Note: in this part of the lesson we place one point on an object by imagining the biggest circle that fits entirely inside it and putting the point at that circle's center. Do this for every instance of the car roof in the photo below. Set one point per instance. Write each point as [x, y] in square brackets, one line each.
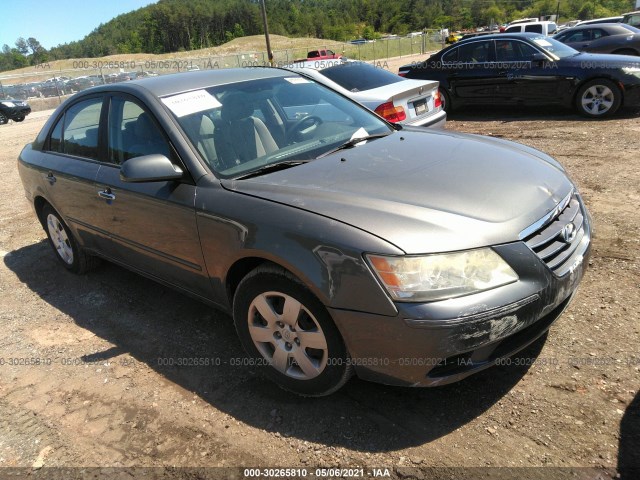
[499, 36]
[593, 25]
[175, 83]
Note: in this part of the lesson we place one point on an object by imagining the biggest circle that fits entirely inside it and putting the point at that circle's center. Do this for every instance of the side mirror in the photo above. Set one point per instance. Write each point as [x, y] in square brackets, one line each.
[149, 168]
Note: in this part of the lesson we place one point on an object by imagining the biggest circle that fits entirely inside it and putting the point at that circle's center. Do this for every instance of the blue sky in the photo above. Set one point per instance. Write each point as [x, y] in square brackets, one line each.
[53, 22]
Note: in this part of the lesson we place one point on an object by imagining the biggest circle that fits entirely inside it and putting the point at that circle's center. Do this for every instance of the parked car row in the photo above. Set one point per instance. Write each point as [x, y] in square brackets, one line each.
[59, 86]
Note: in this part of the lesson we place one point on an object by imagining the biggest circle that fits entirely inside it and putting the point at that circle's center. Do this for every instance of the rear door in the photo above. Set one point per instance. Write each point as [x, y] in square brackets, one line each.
[72, 154]
[152, 224]
[471, 73]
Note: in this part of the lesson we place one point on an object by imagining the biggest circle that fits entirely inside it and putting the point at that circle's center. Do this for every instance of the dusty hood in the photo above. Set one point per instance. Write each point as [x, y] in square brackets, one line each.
[424, 191]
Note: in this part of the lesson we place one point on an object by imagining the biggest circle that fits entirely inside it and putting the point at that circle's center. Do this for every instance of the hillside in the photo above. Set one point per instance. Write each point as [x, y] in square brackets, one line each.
[175, 26]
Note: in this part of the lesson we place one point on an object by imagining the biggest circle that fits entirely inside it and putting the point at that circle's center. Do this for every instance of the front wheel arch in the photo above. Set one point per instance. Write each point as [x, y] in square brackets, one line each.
[331, 368]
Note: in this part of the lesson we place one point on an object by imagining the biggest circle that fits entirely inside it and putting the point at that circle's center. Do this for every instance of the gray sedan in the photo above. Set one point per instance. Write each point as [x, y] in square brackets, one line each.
[618, 38]
[338, 242]
[396, 99]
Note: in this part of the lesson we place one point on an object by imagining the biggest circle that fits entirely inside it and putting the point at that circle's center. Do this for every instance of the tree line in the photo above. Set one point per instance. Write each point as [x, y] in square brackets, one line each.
[179, 25]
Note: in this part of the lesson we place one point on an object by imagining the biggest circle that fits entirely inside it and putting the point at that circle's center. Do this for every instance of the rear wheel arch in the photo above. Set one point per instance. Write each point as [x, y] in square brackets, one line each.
[39, 204]
[619, 90]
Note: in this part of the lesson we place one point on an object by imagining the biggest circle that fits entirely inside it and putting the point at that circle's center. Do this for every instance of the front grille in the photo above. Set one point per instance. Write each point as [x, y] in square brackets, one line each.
[563, 238]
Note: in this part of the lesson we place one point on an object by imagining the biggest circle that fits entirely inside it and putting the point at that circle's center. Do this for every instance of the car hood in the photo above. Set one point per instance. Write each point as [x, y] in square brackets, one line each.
[424, 191]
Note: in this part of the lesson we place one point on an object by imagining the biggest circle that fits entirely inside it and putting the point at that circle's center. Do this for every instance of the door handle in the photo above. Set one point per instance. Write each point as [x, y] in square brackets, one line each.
[49, 177]
[107, 194]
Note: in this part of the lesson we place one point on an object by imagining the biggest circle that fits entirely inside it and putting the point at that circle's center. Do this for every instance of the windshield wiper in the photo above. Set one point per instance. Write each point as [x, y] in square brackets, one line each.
[272, 167]
[353, 142]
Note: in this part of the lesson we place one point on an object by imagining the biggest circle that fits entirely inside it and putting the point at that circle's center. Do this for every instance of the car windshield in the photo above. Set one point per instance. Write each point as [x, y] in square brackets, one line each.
[360, 76]
[554, 47]
[246, 127]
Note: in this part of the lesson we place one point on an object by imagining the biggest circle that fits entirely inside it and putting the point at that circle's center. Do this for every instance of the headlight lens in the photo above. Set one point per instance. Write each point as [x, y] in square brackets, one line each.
[441, 276]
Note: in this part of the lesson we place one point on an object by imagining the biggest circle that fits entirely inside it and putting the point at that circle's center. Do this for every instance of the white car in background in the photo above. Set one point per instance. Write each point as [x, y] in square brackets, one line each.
[396, 99]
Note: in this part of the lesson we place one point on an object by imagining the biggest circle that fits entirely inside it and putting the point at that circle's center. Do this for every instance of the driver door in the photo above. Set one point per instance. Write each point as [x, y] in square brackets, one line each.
[152, 224]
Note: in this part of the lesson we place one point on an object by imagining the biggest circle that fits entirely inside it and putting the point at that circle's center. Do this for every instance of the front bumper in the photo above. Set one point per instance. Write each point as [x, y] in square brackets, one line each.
[442, 342]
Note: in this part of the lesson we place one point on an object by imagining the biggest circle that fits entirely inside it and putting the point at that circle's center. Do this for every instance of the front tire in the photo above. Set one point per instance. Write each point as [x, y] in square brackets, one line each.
[64, 245]
[289, 334]
[598, 98]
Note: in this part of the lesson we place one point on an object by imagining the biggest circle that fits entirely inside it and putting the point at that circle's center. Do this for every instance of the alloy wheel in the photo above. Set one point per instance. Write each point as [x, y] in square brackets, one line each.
[597, 99]
[287, 335]
[60, 239]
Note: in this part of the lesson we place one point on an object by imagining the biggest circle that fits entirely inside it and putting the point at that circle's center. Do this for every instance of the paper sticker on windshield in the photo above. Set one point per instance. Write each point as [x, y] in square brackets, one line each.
[360, 133]
[191, 102]
[296, 80]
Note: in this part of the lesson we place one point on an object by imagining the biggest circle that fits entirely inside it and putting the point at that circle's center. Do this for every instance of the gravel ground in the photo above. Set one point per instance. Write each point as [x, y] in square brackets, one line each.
[84, 380]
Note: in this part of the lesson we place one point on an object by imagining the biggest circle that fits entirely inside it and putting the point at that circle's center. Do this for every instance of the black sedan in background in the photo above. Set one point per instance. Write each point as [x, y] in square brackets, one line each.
[15, 110]
[529, 69]
[617, 38]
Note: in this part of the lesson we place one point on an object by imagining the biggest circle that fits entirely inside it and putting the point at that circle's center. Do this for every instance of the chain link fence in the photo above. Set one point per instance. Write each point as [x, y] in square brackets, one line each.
[45, 87]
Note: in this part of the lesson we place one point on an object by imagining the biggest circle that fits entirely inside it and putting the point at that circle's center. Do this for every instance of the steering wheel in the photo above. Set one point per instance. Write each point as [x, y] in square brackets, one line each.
[304, 123]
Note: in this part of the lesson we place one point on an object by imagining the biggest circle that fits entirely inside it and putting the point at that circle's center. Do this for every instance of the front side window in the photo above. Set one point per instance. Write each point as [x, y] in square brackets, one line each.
[76, 133]
[579, 36]
[513, 51]
[133, 132]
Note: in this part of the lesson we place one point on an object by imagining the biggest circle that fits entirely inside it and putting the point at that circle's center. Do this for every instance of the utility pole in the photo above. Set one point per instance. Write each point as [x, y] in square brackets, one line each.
[266, 32]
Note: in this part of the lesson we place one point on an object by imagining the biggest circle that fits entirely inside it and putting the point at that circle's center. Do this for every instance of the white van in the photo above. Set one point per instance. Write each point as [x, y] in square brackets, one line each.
[545, 28]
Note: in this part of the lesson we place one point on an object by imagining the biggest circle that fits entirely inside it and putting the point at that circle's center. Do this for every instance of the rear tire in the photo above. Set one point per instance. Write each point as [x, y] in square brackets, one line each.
[64, 245]
[288, 333]
[598, 98]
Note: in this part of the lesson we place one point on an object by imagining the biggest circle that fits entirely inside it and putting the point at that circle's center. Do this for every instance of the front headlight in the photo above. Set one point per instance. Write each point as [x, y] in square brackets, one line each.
[8, 104]
[441, 276]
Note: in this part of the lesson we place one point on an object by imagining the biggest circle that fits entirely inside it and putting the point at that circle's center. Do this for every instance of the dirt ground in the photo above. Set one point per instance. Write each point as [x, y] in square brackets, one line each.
[84, 380]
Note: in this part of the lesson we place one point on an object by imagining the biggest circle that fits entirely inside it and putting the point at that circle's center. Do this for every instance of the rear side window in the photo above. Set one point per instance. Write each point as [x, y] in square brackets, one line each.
[451, 56]
[357, 77]
[514, 29]
[533, 28]
[475, 52]
[76, 133]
